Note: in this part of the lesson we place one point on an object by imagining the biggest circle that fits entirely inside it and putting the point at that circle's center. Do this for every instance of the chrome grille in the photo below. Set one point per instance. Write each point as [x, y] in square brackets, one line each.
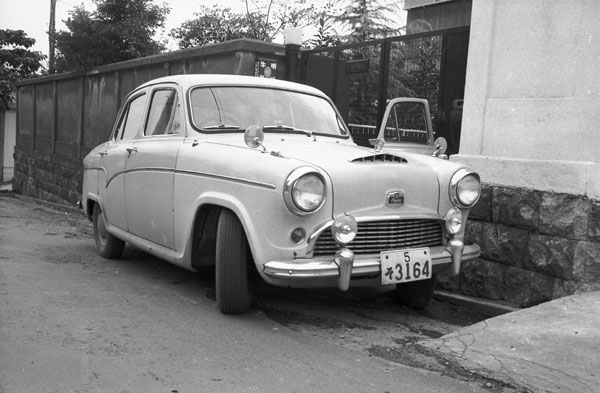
[377, 236]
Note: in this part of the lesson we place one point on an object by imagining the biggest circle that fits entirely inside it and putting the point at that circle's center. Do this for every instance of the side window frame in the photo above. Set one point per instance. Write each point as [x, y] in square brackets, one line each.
[117, 134]
[173, 116]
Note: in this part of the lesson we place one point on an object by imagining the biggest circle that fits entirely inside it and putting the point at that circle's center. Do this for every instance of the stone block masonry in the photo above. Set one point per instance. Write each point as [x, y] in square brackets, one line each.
[48, 177]
[535, 246]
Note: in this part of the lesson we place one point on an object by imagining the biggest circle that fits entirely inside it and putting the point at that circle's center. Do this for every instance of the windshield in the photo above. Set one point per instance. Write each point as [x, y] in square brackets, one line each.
[230, 109]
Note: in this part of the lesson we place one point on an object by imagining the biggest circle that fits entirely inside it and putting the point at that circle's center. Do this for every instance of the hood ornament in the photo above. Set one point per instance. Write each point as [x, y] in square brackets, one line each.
[377, 144]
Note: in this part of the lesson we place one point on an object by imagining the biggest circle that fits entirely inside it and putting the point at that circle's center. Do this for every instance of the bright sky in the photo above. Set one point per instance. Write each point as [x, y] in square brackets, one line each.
[33, 16]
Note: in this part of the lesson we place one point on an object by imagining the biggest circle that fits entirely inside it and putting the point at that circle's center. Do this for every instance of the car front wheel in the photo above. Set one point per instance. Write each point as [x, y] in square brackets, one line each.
[231, 273]
[108, 246]
[415, 294]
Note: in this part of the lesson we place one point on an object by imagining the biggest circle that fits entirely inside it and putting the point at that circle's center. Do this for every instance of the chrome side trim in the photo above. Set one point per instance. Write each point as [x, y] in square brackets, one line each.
[268, 186]
[95, 168]
[195, 173]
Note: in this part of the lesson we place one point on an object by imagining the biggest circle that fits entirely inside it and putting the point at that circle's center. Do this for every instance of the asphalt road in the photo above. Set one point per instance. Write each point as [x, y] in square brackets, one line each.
[71, 321]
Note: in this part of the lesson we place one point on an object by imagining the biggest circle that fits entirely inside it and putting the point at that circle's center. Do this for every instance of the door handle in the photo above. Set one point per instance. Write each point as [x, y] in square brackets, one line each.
[103, 153]
[131, 150]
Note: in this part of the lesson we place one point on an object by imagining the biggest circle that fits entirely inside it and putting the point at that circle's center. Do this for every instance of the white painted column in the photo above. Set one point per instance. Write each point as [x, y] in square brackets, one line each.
[532, 97]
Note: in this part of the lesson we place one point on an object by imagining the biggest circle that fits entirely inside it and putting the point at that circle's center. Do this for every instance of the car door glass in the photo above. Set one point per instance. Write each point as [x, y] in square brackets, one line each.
[132, 119]
[407, 122]
[163, 115]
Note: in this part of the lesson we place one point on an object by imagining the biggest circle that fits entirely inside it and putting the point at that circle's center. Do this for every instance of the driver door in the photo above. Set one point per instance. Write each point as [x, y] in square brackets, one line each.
[114, 160]
[150, 169]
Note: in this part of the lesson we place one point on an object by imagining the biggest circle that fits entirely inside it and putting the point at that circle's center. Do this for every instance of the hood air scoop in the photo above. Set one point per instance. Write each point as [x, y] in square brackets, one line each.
[380, 159]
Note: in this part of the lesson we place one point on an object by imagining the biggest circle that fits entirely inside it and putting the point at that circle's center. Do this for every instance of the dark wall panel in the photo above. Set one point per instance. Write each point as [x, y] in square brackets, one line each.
[44, 110]
[68, 110]
[26, 100]
[100, 107]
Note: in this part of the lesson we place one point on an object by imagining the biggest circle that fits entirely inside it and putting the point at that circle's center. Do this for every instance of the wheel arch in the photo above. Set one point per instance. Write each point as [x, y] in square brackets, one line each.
[88, 206]
[204, 229]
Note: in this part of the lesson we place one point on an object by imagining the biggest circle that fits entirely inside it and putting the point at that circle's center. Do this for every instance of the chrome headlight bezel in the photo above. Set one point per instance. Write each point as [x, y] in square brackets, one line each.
[465, 188]
[292, 194]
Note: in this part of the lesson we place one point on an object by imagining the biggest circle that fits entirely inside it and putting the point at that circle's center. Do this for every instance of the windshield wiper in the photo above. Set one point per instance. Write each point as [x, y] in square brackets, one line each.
[283, 127]
[221, 127]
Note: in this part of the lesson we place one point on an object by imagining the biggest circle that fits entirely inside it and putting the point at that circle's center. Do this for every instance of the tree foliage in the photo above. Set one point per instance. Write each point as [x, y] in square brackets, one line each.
[212, 25]
[17, 62]
[360, 20]
[261, 20]
[117, 30]
[368, 19]
[325, 35]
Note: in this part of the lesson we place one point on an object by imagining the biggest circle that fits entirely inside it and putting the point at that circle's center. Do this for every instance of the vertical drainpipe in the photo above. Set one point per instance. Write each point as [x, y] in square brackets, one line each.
[293, 41]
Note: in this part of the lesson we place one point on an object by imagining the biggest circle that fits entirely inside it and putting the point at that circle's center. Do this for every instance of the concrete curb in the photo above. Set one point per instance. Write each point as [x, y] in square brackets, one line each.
[51, 205]
[488, 308]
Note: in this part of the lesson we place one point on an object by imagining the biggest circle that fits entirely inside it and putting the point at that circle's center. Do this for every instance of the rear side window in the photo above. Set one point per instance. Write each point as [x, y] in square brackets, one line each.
[163, 117]
[132, 119]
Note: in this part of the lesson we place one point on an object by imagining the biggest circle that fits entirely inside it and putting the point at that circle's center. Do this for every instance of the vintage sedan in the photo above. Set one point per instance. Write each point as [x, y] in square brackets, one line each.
[249, 173]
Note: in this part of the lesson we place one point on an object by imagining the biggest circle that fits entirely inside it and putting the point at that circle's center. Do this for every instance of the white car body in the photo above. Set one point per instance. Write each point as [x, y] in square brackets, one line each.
[166, 192]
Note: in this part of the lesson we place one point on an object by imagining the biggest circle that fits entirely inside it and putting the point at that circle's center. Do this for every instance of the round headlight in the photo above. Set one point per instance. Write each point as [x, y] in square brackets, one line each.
[344, 229]
[465, 188]
[453, 221]
[304, 191]
[308, 192]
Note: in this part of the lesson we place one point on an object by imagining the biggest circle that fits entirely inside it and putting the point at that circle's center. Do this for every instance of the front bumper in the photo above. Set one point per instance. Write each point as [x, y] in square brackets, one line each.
[323, 271]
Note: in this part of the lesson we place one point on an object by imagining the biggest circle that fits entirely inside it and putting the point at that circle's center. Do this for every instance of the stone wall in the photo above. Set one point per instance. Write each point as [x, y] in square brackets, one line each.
[48, 177]
[535, 246]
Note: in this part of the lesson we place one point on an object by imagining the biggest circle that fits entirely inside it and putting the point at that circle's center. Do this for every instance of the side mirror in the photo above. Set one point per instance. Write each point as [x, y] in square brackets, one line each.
[254, 137]
[440, 145]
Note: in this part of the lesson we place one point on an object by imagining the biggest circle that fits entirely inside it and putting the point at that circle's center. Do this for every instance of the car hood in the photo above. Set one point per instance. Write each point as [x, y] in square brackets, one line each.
[362, 180]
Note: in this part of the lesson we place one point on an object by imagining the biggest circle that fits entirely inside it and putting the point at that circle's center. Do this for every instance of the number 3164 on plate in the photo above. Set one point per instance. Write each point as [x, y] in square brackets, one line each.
[399, 266]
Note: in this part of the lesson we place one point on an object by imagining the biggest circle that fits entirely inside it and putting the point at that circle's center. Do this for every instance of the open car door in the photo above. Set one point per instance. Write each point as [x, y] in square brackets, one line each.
[407, 126]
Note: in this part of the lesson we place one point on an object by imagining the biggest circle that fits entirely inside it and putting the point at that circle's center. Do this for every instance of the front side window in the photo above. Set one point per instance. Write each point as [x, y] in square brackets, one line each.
[163, 116]
[234, 109]
[407, 122]
[132, 118]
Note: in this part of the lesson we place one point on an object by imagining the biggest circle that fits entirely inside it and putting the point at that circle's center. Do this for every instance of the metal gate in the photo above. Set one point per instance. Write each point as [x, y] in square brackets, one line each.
[361, 78]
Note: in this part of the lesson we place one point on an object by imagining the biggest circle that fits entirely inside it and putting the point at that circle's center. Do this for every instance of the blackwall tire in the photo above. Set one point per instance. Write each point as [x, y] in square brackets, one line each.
[231, 273]
[107, 245]
[415, 294]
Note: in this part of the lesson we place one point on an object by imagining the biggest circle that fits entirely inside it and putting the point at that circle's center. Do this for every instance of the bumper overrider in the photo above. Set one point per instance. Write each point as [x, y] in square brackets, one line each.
[345, 265]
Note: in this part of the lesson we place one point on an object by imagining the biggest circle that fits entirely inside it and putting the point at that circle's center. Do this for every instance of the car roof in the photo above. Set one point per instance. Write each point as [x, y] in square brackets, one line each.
[189, 80]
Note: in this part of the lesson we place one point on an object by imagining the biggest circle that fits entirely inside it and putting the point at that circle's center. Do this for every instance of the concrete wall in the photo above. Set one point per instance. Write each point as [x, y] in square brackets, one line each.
[532, 96]
[8, 139]
[531, 124]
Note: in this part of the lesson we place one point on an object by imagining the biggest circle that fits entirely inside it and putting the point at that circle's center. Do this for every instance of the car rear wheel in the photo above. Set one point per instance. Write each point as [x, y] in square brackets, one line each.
[415, 294]
[231, 273]
[108, 246]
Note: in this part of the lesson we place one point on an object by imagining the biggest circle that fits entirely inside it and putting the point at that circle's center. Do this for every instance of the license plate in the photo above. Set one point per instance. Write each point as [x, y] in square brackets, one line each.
[410, 264]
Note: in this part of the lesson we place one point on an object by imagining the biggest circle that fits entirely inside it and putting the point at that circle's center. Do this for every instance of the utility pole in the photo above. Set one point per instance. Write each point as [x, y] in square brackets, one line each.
[51, 35]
